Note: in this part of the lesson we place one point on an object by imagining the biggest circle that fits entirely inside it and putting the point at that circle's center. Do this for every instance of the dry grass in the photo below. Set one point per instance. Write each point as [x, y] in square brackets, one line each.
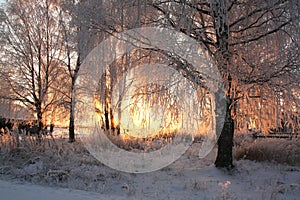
[285, 151]
[43, 161]
[136, 144]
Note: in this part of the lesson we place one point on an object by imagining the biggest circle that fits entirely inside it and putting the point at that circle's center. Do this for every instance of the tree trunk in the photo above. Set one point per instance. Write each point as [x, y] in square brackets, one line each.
[74, 76]
[71, 123]
[106, 118]
[72, 107]
[39, 120]
[225, 141]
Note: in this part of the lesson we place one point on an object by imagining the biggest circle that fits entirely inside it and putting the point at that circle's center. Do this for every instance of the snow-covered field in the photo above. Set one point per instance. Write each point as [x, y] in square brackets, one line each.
[56, 169]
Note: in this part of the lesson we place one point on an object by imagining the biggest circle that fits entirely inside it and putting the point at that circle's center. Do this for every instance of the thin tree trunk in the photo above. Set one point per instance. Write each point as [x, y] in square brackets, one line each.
[71, 123]
[40, 120]
[74, 76]
[72, 109]
[106, 115]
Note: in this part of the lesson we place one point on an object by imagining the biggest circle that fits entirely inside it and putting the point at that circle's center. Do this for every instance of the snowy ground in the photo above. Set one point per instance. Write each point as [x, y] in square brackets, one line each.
[251, 181]
[59, 170]
[13, 191]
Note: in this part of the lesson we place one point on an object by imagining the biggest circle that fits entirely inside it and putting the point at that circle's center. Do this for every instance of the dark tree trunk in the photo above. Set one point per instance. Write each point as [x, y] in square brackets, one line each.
[72, 107]
[71, 131]
[71, 123]
[39, 120]
[106, 118]
[225, 141]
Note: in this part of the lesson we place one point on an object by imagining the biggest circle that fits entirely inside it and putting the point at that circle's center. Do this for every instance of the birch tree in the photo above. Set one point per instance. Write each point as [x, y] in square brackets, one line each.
[71, 58]
[31, 35]
[240, 35]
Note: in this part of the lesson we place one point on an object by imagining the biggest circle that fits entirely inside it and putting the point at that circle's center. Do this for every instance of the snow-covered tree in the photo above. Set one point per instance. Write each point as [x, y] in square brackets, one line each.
[255, 44]
[32, 47]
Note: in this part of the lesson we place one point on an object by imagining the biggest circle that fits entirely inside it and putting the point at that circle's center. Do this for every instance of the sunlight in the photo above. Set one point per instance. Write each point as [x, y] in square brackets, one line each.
[143, 113]
[141, 119]
[151, 120]
[98, 111]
